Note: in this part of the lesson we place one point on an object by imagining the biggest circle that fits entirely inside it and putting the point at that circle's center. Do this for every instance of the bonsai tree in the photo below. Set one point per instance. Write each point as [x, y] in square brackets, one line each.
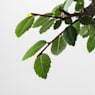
[81, 22]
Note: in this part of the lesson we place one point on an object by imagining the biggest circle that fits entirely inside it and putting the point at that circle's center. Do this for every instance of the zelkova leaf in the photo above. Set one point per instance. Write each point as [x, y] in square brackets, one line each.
[35, 48]
[68, 21]
[56, 10]
[86, 20]
[84, 31]
[24, 25]
[58, 45]
[40, 21]
[79, 5]
[57, 24]
[67, 4]
[70, 35]
[42, 65]
[87, 30]
[91, 43]
[46, 25]
[77, 26]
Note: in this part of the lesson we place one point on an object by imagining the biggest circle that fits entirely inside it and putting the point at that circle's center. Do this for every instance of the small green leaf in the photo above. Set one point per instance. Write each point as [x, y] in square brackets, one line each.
[57, 24]
[77, 26]
[68, 21]
[84, 31]
[46, 25]
[91, 29]
[67, 4]
[56, 11]
[40, 21]
[91, 43]
[35, 48]
[85, 20]
[87, 30]
[70, 35]
[24, 25]
[58, 45]
[79, 5]
[42, 65]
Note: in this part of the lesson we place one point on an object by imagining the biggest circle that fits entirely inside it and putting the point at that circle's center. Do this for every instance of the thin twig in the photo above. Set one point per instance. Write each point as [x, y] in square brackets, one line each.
[58, 17]
[48, 43]
[44, 15]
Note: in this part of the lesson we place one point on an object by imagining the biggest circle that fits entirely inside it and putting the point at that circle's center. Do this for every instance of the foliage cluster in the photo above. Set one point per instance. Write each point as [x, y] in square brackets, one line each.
[81, 22]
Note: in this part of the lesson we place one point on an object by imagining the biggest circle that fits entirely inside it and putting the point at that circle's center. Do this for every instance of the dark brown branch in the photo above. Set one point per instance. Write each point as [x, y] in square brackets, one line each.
[44, 15]
[59, 17]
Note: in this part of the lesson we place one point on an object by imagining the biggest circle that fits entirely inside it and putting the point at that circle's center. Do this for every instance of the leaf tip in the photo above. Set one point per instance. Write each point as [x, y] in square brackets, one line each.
[89, 50]
[23, 58]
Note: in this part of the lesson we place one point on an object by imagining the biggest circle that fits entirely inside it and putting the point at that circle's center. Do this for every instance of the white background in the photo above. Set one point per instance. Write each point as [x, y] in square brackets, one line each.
[71, 73]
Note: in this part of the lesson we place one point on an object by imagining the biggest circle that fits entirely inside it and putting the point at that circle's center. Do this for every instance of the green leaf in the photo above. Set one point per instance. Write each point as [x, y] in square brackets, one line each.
[85, 20]
[68, 21]
[35, 48]
[64, 6]
[70, 35]
[67, 4]
[93, 22]
[84, 31]
[77, 26]
[24, 25]
[57, 24]
[58, 45]
[46, 26]
[87, 30]
[79, 5]
[92, 29]
[42, 65]
[56, 11]
[91, 43]
[40, 21]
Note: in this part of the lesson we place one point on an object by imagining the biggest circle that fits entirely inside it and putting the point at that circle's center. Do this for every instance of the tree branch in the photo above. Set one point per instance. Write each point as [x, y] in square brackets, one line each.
[88, 11]
[59, 17]
[48, 43]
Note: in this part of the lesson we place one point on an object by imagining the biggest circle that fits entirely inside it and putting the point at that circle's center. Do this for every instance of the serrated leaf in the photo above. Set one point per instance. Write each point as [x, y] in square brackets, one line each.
[57, 24]
[86, 20]
[56, 11]
[67, 4]
[77, 26]
[91, 43]
[34, 49]
[24, 25]
[58, 45]
[68, 21]
[40, 21]
[79, 5]
[70, 35]
[84, 32]
[87, 30]
[46, 26]
[42, 65]
[91, 29]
